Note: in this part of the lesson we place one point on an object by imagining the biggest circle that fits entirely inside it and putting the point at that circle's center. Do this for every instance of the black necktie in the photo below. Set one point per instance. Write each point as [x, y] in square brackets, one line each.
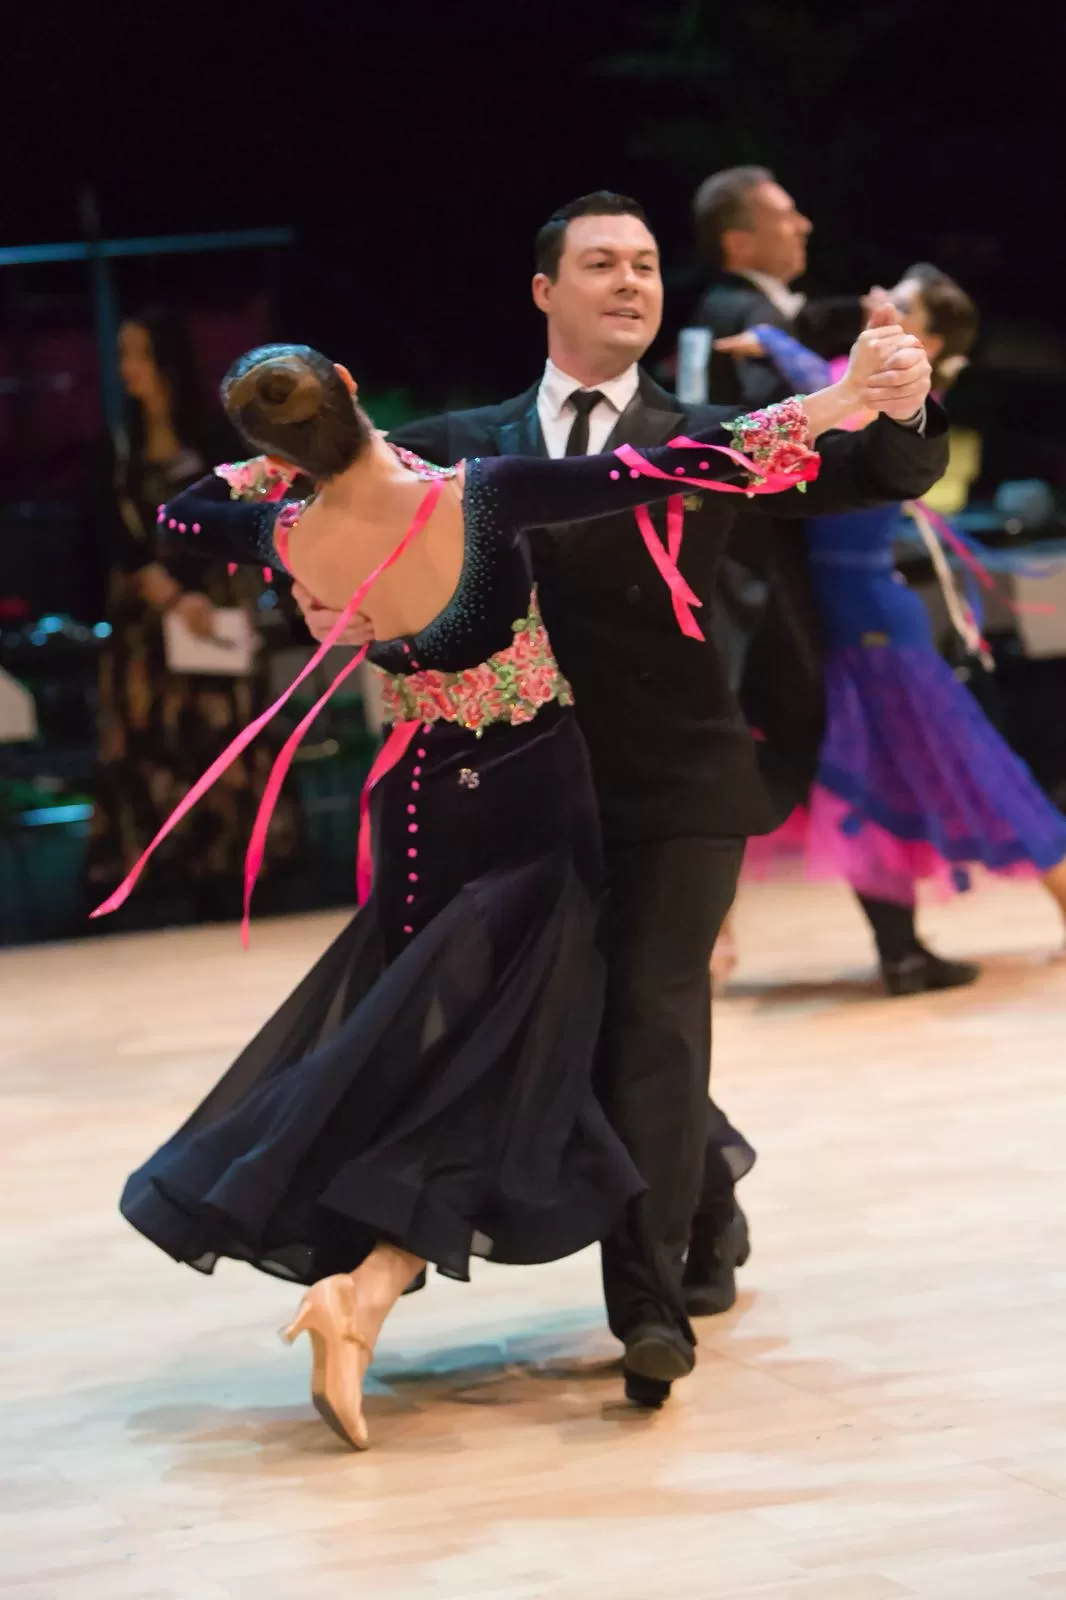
[583, 401]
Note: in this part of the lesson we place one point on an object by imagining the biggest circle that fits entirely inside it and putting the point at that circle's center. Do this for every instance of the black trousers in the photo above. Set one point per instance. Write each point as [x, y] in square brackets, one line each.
[668, 899]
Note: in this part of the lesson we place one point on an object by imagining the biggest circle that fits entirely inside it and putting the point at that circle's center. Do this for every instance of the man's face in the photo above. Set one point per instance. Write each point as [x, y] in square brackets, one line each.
[774, 239]
[606, 303]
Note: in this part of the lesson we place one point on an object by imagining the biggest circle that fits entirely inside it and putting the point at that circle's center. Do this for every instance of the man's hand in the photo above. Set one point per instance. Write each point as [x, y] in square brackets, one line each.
[320, 619]
[888, 370]
[747, 343]
[910, 365]
[874, 299]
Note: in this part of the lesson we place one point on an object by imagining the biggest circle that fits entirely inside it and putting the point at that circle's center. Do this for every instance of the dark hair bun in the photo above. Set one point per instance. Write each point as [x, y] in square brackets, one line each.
[283, 389]
[290, 401]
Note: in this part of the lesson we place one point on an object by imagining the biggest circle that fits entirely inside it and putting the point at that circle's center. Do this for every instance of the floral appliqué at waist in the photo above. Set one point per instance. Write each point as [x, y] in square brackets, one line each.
[511, 686]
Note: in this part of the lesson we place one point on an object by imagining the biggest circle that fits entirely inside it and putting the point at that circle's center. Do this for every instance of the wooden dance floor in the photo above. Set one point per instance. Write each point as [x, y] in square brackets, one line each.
[882, 1416]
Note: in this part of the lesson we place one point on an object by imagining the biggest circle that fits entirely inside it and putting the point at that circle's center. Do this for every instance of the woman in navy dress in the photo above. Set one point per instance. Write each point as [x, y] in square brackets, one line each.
[424, 1094]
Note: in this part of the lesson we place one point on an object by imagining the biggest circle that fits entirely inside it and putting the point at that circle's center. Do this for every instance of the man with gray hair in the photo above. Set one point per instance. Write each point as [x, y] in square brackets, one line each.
[751, 232]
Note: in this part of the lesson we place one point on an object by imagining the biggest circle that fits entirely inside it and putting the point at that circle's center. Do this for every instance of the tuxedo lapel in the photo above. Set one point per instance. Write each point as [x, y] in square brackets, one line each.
[652, 417]
[521, 435]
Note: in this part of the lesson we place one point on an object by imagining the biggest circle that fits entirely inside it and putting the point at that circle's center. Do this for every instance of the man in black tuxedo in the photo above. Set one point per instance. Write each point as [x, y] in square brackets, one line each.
[674, 765]
[749, 229]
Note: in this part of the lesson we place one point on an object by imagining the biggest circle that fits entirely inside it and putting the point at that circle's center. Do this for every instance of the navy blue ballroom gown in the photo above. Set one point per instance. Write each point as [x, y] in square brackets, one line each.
[428, 1083]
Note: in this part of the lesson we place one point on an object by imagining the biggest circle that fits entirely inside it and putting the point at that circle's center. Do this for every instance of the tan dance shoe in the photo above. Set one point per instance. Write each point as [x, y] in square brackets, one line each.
[341, 1356]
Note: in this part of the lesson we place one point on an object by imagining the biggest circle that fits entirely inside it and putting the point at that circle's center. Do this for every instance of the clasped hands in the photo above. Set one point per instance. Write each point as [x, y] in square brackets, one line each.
[888, 370]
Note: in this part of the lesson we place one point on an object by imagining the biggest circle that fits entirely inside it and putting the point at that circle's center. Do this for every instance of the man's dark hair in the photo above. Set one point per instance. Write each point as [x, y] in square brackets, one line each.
[720, 203]
[551, 240]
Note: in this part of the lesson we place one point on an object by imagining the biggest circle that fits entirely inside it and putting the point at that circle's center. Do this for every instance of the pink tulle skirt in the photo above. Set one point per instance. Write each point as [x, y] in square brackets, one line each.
[914, 786]
[819, 843]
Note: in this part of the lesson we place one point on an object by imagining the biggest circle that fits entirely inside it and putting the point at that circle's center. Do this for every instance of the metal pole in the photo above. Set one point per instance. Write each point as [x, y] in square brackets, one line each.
[105, 314]
[164, 244]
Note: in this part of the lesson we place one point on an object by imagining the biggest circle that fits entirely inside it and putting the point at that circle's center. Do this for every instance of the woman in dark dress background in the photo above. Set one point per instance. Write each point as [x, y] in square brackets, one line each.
[158, 729]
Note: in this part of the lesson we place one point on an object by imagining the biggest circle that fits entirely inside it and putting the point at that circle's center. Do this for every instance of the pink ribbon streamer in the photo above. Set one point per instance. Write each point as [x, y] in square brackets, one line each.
[253, 859]
[391, 753]
[245, 737]
[684, 597]
[968, 559]
[981, 573]
[682, 594]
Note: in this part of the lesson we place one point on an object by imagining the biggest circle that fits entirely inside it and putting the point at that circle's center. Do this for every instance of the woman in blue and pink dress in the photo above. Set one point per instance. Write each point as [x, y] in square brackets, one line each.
[913, 784]
[425, 1094]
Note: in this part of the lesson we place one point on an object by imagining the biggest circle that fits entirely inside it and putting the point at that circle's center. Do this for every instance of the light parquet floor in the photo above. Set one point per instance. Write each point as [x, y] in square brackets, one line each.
[882, 1417]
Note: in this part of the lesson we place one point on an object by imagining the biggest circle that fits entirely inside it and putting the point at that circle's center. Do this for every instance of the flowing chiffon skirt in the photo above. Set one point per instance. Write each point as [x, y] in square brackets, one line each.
[428, 1082]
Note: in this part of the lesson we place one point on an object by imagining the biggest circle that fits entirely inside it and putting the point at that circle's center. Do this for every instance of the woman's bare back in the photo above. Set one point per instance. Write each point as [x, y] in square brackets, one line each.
[336, 544]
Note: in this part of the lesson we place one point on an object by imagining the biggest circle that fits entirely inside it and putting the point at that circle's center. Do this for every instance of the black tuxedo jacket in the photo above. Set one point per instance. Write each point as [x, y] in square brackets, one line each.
[731, 305]
[671, 753]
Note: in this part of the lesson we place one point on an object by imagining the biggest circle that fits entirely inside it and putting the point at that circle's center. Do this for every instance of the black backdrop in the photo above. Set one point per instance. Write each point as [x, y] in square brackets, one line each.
[416, 148]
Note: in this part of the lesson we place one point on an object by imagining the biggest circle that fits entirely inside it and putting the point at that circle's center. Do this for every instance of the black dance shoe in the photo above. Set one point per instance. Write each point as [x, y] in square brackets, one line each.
[923, 972]
[649, 1393]
[656, 1354]
[714, 1254]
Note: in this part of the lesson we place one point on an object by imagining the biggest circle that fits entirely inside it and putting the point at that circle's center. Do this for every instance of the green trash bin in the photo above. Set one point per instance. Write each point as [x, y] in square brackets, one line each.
[42, 865]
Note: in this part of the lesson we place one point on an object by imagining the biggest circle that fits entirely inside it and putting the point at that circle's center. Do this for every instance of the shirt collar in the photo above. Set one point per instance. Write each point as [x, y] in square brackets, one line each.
[780, 296]
[556, 388]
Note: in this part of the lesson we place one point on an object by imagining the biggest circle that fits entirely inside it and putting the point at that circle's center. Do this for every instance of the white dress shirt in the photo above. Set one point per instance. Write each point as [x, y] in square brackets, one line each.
[557, 415]
[788, 301]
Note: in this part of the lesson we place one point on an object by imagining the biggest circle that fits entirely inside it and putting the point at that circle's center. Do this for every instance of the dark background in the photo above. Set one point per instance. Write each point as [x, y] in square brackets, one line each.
[416, 149]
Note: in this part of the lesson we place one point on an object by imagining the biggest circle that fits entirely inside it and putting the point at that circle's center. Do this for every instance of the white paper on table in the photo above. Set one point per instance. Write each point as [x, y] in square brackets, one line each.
[229, 652]
[18, 711]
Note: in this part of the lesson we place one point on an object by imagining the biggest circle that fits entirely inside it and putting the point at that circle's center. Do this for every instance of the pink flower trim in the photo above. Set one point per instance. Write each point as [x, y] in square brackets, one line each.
[257, 479]
[778, 438]
[510, 686]
[423, 469]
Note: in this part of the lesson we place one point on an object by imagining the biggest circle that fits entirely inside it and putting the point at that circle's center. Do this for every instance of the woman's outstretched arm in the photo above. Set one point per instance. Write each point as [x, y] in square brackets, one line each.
[796, 364]
[525, 492]
[887, 367]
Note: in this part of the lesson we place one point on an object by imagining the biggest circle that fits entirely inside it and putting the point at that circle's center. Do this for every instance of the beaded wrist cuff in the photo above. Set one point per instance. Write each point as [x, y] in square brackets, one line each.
[778, 438]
